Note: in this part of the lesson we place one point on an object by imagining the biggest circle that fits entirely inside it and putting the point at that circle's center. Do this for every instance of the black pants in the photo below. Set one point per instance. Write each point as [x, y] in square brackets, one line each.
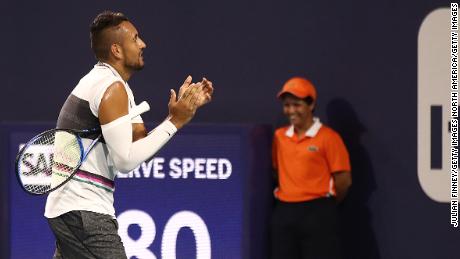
[86, 235]
[305, 230]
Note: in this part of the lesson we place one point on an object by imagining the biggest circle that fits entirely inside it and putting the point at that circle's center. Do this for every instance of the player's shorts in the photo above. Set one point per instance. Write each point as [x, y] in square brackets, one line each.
[85, 234]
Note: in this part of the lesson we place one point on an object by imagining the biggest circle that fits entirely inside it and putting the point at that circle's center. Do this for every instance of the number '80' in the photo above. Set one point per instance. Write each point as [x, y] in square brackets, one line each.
[140, 247]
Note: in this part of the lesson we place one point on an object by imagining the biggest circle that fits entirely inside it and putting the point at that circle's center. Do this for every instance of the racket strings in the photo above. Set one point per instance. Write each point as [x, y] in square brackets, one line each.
[49, 160]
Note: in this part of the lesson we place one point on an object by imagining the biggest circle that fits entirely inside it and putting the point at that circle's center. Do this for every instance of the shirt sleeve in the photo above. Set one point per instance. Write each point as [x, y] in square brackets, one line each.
[337, 155]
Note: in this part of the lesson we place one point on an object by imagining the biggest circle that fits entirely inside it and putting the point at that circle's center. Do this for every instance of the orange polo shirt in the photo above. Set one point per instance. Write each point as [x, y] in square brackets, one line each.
[305, 165]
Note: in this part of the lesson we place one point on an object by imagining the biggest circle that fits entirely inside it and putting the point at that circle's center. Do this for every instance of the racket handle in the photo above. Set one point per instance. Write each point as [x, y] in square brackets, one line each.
[139, 109]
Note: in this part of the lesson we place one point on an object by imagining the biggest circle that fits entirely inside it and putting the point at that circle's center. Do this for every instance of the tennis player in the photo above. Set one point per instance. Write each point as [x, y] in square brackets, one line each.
[81, 213]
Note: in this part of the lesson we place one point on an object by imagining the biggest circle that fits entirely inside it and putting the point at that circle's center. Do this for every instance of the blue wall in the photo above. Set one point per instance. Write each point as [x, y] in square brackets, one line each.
[362, 56]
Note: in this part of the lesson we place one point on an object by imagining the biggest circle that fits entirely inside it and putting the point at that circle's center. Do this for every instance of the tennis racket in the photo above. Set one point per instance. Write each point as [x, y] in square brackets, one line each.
[65, 153]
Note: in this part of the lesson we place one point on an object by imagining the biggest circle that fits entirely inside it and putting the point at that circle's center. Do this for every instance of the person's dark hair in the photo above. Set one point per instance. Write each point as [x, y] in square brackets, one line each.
[103, 21]
[309, 100]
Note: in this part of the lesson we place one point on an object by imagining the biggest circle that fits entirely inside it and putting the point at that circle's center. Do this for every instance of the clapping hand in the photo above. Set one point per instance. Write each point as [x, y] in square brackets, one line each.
[205, 90]
[208, 90]
[191, 96]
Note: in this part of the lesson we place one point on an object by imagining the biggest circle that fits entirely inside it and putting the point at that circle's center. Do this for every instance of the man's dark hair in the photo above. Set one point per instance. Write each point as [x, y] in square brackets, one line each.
[99, 42]
[309, 100]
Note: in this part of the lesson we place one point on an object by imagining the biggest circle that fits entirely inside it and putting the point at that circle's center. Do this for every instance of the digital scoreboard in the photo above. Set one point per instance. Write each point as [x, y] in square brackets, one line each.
[206, 194]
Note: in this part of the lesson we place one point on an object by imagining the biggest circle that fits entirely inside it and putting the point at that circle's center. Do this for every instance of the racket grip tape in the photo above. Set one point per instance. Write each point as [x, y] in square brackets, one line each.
[139, 109]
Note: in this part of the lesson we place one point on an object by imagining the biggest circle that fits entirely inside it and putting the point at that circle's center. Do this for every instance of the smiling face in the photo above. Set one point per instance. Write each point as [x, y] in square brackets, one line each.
[298, 112]
[132, 46]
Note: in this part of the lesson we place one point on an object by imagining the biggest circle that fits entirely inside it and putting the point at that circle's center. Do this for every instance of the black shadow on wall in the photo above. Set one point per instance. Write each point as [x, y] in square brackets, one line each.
[358, 238]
